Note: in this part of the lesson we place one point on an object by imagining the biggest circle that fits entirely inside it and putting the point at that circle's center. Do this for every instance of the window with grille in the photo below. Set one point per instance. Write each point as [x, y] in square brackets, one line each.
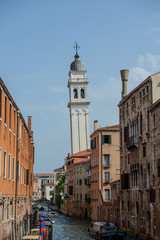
[106, 160]
[107, 194]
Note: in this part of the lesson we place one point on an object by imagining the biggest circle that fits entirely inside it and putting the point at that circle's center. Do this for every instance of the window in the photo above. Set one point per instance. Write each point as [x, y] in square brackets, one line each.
[80, 197]
[85, 181]
[10, 111]
[154, 119]
[154, 159]
[133, 99]
[143, 91]
[144, 151]
[147, 89]
[4, 168]
[5, 117]
[106, 160]
[106, 139]
[20, 131]
[122, 205]
[75, 93]
[128, 206]
[82, 93]
[80, 181]
[127, 105]
[115, 212]
[93, 143]
[128, 159]
[9, 167]
[31, 179]
[0, 102]
[106, 176]
[140, 95]
[70, 190]
[141, 125]
[27, 177]
[147, 120]
[107, 194]
[14, 121]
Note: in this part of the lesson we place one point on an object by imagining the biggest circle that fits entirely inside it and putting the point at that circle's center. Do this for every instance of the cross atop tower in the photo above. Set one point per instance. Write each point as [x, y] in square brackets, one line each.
[76, 47]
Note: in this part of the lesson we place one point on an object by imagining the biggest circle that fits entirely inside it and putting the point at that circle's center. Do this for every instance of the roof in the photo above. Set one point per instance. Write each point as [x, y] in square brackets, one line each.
[42, 174]
[139, 86]
[80, 160]
[82, 154]
[107, 129]
[155, 105]
[77, 65]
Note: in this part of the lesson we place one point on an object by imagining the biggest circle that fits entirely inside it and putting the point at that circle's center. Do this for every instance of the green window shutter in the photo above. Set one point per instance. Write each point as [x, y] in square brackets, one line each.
[103, 139]
[109, 139]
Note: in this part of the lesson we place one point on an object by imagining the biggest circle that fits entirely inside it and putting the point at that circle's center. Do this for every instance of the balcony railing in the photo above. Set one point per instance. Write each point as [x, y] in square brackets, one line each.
[106, 165]
[88, 199]
[132, 142]
[106, 181]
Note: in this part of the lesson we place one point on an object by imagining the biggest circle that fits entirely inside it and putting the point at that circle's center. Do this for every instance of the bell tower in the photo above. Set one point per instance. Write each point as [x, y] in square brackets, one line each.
[78, 105]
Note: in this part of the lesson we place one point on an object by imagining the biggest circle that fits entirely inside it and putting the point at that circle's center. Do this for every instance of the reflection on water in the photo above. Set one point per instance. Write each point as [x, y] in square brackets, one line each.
[70, 228]
[67, 228]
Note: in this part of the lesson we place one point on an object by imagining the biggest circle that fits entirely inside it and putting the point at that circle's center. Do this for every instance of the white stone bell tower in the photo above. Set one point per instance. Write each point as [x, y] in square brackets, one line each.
[78, 105]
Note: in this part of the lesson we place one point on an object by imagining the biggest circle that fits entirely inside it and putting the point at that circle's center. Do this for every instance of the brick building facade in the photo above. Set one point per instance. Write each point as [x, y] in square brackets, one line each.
[105, 168]
[139, 152]
[73, 205]
[16, 168]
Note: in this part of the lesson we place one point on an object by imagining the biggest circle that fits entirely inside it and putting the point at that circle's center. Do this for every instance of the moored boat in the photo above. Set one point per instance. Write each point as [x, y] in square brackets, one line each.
[103, 230]
[53, 214]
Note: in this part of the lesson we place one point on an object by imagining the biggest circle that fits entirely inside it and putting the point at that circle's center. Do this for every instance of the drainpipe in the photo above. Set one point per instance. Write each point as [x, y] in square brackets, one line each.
[15, 217]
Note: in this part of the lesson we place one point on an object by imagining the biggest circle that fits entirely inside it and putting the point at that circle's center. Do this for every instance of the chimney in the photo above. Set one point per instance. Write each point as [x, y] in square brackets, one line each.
[95, 125]
[29, 123]
[124, 77]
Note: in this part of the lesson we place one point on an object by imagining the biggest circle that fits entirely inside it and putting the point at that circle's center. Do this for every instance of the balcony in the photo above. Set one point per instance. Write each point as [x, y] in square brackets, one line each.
[105, 166]
[106, 181]
[132, 142]
[88, 199]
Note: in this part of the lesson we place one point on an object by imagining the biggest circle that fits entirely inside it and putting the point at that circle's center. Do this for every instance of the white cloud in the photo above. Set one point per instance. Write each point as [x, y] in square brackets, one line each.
[140, 60]
[136, 76]
[154, 61]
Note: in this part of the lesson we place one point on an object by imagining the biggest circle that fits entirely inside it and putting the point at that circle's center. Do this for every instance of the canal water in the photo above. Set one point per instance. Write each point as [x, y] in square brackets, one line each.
[67, 228]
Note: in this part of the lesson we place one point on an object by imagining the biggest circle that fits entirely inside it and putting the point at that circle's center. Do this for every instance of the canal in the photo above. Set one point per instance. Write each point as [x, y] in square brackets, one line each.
[67, 228]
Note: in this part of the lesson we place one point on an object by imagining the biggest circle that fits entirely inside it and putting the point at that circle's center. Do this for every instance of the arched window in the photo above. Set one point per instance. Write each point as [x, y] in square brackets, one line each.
[154, 159]
[148, 176]
[75, 93]
[141, 124]
[82, 93]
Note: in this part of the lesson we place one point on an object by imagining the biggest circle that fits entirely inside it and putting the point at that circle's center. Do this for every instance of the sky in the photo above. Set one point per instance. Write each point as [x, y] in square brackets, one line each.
[36, 50]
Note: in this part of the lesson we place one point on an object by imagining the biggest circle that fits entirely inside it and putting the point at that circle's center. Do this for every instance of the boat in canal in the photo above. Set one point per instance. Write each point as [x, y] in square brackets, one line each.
[101, 230]
[53, 214]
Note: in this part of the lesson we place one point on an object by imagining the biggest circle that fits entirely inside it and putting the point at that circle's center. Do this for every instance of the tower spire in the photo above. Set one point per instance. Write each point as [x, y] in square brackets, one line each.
[76, 48]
